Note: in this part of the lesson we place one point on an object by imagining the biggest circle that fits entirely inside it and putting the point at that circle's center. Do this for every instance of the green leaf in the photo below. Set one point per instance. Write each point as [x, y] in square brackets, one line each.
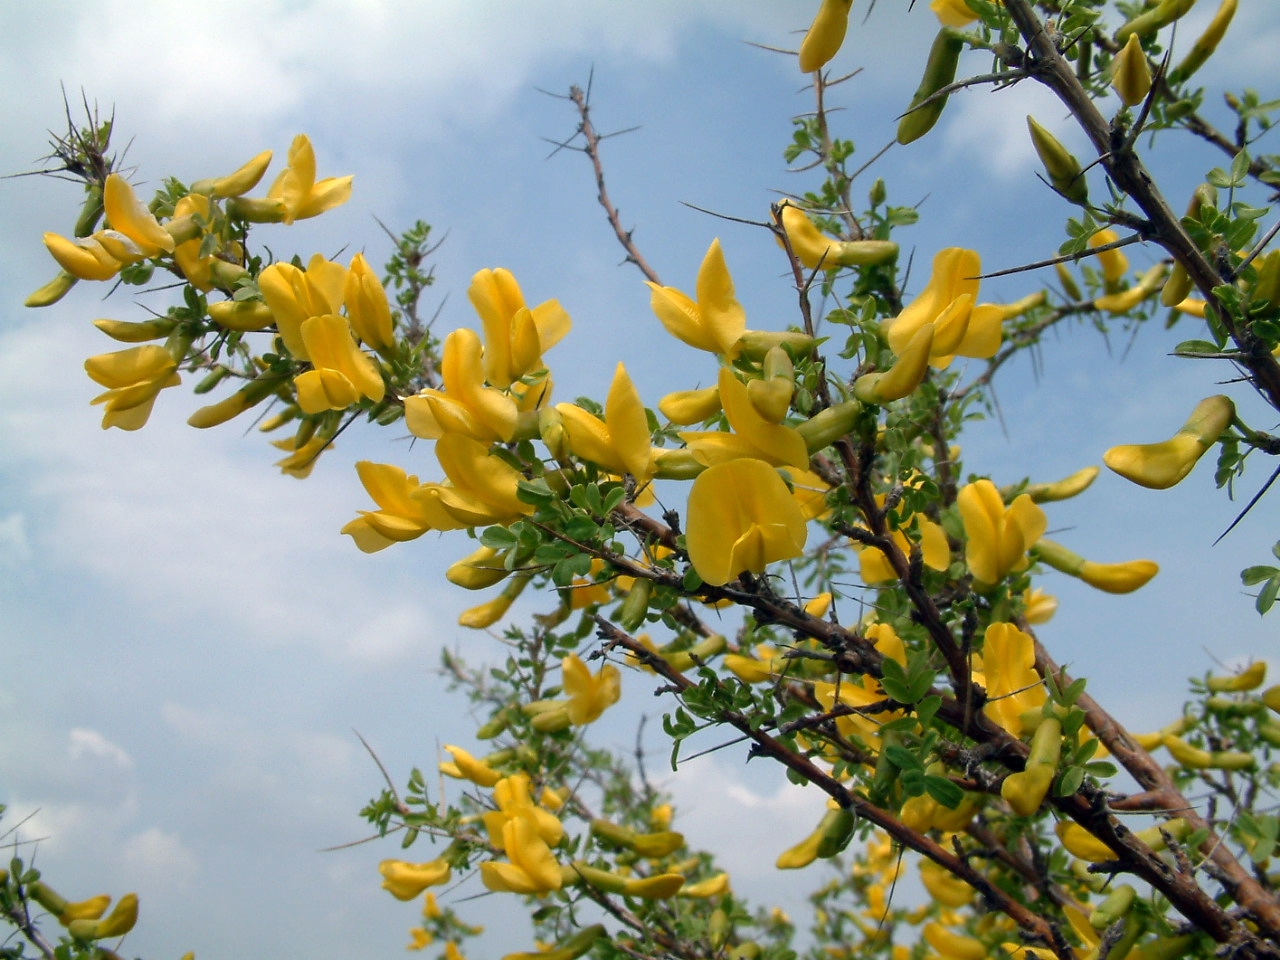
[1069, 782]
[894, 681]
[1196, 346]
[902, 758]
[1250, 576]
[1267, 596]
[944, 791]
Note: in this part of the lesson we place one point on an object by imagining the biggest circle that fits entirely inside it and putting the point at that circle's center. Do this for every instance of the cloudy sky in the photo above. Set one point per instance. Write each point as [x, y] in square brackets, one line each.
[188, 643]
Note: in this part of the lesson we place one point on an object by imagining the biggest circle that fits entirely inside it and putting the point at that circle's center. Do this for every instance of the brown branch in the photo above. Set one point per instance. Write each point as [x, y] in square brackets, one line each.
[1033, 925]
[1130, 175]
[591, 148]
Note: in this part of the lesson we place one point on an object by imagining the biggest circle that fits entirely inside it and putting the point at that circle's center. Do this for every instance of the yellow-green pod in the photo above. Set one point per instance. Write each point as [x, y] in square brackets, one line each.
[1204, 47]
[939, 71]
[1063, 169]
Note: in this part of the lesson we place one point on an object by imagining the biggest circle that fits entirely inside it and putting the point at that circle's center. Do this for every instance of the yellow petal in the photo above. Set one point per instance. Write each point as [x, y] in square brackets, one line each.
[126, 213]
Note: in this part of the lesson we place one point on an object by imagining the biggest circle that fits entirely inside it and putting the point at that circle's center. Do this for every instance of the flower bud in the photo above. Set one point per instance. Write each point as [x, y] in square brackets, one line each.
[904, 376]
[1250, 678]
[1130, 73]
[1149, 21]
[1208, 42]
[1063, 489]
[825, 35]
[686, 407]
[243, 315]
[238, 183]
[1159, 466]
[136, 332]
[51, 292]
[477, 570]
[1062, 168]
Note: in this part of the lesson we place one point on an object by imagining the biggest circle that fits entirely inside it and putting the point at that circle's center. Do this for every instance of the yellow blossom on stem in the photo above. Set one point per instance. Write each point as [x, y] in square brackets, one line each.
[532, 867]
[1013, 686]
[84, 258]
[1038, 606]
[482, 489]
[953, 13]
[874, 565]
[620, 443]
[752, 436]
[716, 320]
[401, 516]
[296, 187]
[302, 456]
[512, 798]
[589, 696]
[238, 183]
[825, 34]
[367, 306]
[197, 269]
[295, 296]
[466, 406]
[1113, 262]
[741, 517]
[515, 336]
[1130, 72]
[467, 767]
[134, 378]
[126, 213]
[90, 909]
[405, 881]
[1108, 577]
[947, 301]
[1159, 466]
[487, 614]
[998, 537]
[116, 924]
[341, 374]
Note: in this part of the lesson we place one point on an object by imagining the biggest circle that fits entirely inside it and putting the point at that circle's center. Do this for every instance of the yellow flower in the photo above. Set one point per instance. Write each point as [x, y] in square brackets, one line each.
[85, 258]
[711, 887]
[295, 296]
[481, 489]
[1113, 262]
[296, 187]
[512, 798]
[741, 517]
[1130, 73]
[420, 939]
[405, 881]
[90, 909]
[1038, 606]
[1159, 466]
[953, 13]
[1108, 577]
[465, 406]
[589, 696]
[341, 374]
[197, 269]
[1013, 686]
[825, 35]
[998, 537]
[127, 214]
[621, 442]
[532, 868]
[236, 184]
[752, 436]
[467, 767]
[515, 336]
[401, 516]
[716, 321]
[367, 306]
[947, 301]
[302, 459]
[134, 378]
[875, 568]
[685, 407]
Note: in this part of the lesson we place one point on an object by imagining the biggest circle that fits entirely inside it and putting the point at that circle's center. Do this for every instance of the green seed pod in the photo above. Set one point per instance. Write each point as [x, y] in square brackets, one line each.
[939, 71]
[1115, 906]
[636, 605]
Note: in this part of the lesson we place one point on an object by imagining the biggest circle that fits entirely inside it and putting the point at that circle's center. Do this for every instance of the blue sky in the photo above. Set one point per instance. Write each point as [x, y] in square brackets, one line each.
[189, 643]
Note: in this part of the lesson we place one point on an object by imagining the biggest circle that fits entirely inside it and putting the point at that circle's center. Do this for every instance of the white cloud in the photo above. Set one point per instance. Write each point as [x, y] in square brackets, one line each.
[14, 547]
[90, 743]
[157, 858]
